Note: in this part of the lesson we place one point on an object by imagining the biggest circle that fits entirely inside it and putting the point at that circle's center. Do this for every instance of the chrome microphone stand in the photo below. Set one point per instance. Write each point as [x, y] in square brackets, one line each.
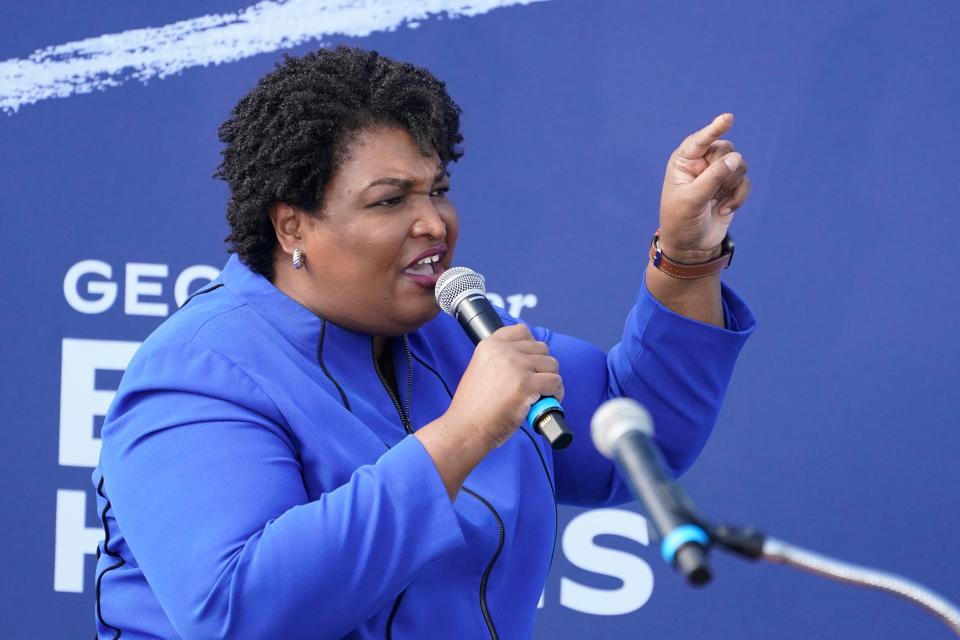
[749, 543]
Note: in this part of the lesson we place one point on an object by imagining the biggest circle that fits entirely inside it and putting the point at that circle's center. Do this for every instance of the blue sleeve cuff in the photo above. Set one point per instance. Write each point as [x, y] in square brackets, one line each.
[737, 316]
[679, 368]
[408, 471]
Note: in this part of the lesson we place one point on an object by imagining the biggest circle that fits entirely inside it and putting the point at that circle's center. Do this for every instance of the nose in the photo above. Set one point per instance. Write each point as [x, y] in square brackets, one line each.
[429, 222]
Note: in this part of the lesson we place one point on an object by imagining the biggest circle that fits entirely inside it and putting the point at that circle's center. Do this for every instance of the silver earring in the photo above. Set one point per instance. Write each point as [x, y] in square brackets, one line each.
[297, 258]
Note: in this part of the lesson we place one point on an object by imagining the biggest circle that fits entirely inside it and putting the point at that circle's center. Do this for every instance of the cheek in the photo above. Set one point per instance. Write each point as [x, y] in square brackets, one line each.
[452, 221]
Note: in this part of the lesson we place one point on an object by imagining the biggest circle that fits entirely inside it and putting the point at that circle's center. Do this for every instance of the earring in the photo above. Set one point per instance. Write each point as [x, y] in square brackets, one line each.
[297, 258]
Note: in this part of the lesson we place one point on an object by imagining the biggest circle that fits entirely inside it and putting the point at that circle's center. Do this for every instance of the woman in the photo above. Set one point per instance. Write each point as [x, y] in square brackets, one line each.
[307, 450]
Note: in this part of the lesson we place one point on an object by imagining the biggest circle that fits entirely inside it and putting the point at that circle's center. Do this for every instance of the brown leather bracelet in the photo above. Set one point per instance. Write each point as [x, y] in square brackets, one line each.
[690, 271]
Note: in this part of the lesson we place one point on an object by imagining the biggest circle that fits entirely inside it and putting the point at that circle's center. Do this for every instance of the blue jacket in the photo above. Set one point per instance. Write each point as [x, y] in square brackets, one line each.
[258, 480]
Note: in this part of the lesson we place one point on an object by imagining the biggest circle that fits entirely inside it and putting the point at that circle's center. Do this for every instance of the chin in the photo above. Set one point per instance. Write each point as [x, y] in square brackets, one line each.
[415, 321]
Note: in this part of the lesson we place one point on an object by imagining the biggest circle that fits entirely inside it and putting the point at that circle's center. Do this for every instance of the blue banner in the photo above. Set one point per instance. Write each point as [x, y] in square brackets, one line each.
[838, 430]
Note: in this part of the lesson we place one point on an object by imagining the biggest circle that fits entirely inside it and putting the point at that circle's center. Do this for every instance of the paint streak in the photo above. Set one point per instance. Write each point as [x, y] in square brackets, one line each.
[141, 54]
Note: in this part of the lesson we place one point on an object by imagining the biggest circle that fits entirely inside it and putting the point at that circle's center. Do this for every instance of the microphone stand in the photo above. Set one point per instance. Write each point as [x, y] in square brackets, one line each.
[750, 543]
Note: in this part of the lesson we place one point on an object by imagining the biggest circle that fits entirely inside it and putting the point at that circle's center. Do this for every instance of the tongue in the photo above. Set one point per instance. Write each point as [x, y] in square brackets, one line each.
[420, 269]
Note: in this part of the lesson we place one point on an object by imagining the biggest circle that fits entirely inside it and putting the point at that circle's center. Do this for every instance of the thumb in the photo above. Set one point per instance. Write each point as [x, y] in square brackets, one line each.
[706, 185]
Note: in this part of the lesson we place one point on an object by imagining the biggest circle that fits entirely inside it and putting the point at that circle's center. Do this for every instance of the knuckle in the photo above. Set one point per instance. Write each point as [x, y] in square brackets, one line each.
[554, 386]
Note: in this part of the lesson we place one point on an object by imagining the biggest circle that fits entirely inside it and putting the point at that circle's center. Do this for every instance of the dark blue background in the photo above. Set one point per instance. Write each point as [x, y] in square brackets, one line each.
[838, 431]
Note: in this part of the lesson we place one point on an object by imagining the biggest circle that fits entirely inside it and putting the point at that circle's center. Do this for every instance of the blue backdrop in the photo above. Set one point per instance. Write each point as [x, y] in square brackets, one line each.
[839, 430]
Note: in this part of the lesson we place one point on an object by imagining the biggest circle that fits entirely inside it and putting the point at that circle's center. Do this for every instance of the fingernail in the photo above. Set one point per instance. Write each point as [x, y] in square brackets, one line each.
[731, 161]
[728, 117]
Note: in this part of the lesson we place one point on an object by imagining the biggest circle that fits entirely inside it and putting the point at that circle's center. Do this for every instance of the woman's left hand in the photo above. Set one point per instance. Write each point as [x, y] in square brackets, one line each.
[705, 183]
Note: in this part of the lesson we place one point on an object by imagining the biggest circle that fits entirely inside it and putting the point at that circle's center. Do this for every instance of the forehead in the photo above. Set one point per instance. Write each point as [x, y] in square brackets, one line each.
[387, 152]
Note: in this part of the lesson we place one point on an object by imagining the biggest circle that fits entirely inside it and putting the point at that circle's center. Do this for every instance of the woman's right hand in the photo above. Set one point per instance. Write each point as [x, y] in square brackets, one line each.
[509, 371]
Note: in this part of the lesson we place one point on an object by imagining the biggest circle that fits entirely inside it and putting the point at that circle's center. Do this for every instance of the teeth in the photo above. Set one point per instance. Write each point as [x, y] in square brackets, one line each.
[421, 269]
[429, 259]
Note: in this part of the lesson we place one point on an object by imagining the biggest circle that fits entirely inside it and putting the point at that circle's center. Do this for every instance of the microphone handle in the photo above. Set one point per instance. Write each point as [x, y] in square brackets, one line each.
[683, 541]
[479, 319]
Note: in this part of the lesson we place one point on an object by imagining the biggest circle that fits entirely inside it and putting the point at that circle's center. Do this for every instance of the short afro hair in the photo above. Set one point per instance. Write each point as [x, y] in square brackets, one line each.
[287, 137]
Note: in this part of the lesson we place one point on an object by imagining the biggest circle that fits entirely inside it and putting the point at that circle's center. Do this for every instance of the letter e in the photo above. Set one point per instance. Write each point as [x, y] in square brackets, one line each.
[80, 401]
[134, 287]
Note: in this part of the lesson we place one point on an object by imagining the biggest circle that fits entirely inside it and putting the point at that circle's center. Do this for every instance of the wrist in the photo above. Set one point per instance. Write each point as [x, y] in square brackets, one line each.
[455, 448]
[693, 263]
[466, 435]
[689, 255]
[697, 298]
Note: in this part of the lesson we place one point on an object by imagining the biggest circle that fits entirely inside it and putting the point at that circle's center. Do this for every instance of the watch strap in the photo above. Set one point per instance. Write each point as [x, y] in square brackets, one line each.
[691, 271]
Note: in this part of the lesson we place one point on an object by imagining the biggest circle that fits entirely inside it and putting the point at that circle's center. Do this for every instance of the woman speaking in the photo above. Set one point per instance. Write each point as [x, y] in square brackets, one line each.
[308, 450]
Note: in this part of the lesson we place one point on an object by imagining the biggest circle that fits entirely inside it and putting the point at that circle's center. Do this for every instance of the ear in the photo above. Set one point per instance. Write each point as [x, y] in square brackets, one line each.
[288, 223]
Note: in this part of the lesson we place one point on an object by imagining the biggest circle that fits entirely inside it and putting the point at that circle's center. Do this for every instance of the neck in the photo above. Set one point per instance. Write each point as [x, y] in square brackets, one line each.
[379, 346]
[285, 279]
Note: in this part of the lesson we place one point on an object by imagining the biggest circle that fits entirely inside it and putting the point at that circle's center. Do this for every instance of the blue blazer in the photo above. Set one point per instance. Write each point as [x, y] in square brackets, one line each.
[258, 479]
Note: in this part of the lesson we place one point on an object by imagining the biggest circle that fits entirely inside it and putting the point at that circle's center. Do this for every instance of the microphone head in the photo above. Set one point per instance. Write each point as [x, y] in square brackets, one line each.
[454, 284]
[614, 419]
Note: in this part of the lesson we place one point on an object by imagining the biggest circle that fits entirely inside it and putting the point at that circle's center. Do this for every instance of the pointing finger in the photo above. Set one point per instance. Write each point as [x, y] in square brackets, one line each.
[697, 144]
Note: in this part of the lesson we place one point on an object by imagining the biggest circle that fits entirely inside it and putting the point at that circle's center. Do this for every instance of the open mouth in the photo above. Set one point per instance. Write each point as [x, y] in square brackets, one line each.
[427, 264]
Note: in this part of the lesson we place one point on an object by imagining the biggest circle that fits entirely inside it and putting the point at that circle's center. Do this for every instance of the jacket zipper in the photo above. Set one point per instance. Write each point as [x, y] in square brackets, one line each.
[486, 573]
[404, 413]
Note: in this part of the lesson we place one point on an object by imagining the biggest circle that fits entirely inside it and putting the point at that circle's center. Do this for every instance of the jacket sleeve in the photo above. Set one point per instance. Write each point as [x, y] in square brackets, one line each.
[676, 367]
[206, 488]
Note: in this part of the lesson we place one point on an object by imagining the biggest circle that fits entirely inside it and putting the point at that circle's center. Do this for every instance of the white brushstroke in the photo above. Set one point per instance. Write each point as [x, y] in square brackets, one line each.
[111, 59]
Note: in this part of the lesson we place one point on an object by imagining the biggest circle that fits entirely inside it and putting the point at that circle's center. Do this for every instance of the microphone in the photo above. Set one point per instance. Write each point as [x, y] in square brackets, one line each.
[622, 430]
[462, 293]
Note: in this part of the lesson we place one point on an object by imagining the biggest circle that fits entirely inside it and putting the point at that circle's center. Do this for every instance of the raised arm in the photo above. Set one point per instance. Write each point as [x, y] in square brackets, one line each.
[682, 337]
[705, 183]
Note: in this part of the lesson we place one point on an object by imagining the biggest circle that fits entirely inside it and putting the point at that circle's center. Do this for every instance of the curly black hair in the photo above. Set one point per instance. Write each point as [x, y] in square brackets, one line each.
[287, 137]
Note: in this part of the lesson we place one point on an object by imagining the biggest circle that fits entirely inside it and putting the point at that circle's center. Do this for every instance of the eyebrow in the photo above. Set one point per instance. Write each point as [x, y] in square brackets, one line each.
[404, 183]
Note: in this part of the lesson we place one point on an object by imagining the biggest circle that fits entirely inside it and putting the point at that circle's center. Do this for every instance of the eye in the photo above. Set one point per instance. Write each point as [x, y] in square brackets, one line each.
[439, 192]
[389, 202]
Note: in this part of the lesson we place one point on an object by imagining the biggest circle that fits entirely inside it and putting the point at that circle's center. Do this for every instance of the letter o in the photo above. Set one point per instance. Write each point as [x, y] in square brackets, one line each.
[181, 288]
